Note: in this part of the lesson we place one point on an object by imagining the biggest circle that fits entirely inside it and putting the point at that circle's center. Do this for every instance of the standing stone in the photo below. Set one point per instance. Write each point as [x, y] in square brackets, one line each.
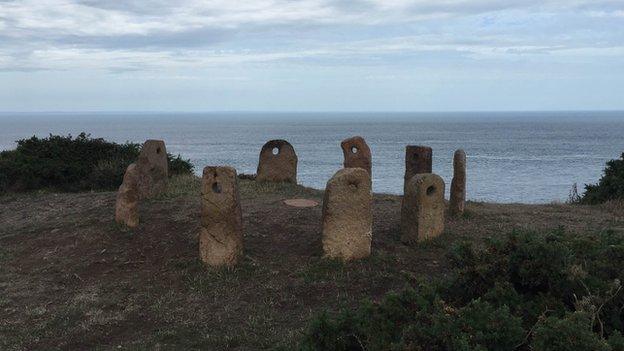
[356, 153]
[418, 160]
[422, 210]
[221, 235]
[348, 215]
[458, 184]
[278, 162]
[153, 168]
[126, 206]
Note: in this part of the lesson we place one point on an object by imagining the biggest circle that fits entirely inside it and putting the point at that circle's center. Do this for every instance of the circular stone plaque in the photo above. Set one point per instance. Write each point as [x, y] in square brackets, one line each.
[300, 202]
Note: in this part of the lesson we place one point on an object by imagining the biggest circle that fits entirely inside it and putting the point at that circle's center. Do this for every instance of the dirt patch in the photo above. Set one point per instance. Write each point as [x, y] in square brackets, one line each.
[70, 278]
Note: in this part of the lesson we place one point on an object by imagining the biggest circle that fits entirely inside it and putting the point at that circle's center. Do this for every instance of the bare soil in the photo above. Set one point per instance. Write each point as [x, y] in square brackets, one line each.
[70, 278]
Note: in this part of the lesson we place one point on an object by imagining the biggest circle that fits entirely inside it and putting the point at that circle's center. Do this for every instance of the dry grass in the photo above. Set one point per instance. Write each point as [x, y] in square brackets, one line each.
[615, 207]
[71, 279]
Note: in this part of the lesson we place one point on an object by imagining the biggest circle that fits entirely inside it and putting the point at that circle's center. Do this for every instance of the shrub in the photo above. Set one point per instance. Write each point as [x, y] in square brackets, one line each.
[178, 165]
[476, 326]
[71, 164]
[527, 290]
[572, 332]
[616, 341]
[609, 187]
[417, 320]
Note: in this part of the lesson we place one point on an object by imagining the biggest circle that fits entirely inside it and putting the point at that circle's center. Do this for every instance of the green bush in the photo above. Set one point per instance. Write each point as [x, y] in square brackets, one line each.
[573, 332]
[71, 164]
[178, 165]
[417, 320]
[526, 291]
[616, 341]
[609, 187]
[476, 326]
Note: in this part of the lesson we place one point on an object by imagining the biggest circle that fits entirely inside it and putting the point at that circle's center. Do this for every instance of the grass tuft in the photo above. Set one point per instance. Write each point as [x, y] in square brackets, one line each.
[321, 270]
[615, 207]
[203, 279]
[181, 185]
[252, 189]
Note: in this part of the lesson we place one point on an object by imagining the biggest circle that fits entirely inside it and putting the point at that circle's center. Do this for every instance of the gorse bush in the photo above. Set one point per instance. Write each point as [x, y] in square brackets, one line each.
[609, 187]
[71, 164]
[178, 165]
[527, 291]
[417, 320]
[573, 332]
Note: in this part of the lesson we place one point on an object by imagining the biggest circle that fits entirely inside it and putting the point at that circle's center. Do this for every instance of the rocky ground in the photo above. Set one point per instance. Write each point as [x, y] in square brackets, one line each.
[70, 278]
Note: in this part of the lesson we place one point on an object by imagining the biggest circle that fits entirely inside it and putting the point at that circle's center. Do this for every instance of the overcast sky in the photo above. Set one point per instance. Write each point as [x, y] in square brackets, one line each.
[311, 55]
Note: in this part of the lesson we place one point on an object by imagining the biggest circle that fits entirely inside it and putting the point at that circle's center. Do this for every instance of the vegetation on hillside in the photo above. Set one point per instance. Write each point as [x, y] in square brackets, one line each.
[609, 187]
[526, 291]
[71, 164]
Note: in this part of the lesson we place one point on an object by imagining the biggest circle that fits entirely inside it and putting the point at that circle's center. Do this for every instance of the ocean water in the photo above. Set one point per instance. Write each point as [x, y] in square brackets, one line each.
[512, 157]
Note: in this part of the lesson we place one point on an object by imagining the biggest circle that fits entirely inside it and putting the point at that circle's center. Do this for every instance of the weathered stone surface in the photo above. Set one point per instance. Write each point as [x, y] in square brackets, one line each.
[418, 160]
[458, 184]
[348, 215]
[278, 162]
[357, 154]
[126, 206]
[422, 210]
[153, 168]
[221, 235]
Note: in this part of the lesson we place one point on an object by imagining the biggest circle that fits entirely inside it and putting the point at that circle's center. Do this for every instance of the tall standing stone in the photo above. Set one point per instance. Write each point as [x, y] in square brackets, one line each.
[348, 215]
[221, 235]
[278, 162]
[458, 184]
[422, 210]
[418, 160]
[357, 154]
[126, 206]
[153, 168]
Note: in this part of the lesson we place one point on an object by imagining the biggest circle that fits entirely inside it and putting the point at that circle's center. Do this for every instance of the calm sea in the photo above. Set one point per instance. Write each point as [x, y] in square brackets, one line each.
[512, 157]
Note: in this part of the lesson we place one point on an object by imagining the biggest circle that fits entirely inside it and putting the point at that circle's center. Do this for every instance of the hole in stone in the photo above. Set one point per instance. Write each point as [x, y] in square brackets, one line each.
[216, 187]
[275, 150]
[431, 190]
[354, 185]
[158, 150]
[354, 149]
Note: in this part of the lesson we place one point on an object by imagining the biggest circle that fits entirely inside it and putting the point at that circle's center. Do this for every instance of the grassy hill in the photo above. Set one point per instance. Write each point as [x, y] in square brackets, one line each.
[70, 278]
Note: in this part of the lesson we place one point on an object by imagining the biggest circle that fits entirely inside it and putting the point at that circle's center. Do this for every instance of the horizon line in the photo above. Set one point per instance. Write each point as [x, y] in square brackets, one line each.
[307, 111]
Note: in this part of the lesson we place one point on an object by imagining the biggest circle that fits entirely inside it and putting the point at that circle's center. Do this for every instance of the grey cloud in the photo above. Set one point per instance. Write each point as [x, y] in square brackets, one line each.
[604, 5]
[351, 5]
[470, 7]
[334, 37]
[186, 39]
[147, 7]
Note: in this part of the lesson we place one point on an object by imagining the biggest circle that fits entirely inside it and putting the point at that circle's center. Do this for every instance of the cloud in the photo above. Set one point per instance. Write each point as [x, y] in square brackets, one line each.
[131, 35]
[603, 14]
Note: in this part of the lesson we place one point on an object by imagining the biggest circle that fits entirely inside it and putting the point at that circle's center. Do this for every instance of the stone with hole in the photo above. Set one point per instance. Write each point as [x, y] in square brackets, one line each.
[221, 234]
[357, 154]
[278, 162]
[126, 206]
[422, 210]
[153, 168]
[348, 215]
[457, 201]
[418, 160]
